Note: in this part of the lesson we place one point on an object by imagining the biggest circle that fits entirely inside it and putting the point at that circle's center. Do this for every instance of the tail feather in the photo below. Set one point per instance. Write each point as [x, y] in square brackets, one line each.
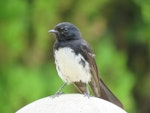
[108, 95]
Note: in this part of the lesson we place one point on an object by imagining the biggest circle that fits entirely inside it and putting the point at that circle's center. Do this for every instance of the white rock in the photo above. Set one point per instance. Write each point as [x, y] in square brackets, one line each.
[71, 103]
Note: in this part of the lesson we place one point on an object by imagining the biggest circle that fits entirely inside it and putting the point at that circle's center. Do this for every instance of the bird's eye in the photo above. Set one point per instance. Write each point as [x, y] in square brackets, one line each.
[65, 29]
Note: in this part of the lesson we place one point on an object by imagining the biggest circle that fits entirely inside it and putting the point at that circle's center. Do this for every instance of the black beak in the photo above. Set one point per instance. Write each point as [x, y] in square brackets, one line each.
[53, 31]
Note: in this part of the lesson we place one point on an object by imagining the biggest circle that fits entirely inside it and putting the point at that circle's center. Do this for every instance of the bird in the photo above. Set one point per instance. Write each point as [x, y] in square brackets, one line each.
[75, 63]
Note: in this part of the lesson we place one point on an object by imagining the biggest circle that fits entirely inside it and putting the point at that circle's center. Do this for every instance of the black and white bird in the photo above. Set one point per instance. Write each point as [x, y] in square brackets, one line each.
[75, 62]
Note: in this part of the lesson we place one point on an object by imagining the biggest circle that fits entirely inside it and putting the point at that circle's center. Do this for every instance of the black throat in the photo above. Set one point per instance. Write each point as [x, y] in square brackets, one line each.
[75, 45]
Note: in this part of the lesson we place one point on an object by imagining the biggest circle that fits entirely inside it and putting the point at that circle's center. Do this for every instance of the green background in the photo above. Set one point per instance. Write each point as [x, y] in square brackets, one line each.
[117, 30]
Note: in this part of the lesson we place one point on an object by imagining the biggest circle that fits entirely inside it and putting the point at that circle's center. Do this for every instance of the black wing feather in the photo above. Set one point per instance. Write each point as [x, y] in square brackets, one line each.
[97, 85]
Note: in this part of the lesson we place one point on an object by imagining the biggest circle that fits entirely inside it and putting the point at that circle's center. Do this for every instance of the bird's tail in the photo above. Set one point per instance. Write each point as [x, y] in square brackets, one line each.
[100, 91]
[108, 95]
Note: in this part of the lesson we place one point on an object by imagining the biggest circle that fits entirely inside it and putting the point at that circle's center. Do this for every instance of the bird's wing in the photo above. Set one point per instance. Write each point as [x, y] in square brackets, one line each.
[97, 85]
[95, 79]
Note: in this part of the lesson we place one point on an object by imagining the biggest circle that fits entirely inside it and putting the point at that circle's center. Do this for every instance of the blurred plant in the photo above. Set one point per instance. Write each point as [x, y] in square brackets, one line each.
[117, 30]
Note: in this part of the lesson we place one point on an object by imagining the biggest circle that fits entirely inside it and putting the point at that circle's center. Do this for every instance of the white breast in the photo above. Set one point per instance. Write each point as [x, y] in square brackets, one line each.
[71, 67]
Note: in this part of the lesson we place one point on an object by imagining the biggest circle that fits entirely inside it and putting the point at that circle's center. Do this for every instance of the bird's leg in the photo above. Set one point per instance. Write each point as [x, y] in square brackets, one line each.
[59, 90]
[87, 93]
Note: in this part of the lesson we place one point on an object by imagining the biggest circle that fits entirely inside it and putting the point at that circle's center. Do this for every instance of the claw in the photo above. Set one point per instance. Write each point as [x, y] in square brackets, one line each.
[57, 94]
[59, 91]
[87, 93]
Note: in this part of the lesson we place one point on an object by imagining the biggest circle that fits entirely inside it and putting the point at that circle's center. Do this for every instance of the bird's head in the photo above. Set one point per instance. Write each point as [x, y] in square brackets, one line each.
[66, 31]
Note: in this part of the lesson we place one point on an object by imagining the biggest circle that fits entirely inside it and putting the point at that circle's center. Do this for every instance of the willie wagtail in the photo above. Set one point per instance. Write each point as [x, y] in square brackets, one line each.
[75, 62]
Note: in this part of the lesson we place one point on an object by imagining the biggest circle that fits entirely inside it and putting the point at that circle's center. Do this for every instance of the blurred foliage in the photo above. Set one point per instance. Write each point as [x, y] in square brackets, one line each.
[118, 31]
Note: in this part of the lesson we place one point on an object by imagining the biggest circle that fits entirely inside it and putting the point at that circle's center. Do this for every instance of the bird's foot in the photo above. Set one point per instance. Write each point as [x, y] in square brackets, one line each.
[59, 91]
[87, 95]
[57, 94]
